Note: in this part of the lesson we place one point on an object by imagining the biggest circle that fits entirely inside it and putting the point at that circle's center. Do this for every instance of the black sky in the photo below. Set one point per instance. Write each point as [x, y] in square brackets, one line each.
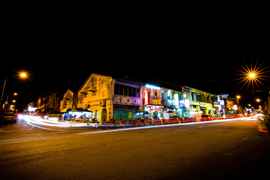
[62, 55]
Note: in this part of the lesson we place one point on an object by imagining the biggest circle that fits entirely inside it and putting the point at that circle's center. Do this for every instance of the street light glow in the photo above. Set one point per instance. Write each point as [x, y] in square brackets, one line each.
[15, 94]
[252, 75]
[258, 100]
[238, 97]
[23, 75]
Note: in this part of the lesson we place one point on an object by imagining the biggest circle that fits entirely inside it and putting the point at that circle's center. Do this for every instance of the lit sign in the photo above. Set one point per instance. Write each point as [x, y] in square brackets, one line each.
[187, 103]
[155, 101]
[125, 100]
[176, 100]
[31, 109]
[145, 97]
[151, 86]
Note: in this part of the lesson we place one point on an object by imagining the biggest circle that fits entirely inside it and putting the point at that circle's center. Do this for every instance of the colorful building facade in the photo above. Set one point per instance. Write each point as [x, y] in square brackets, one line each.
[114, 99]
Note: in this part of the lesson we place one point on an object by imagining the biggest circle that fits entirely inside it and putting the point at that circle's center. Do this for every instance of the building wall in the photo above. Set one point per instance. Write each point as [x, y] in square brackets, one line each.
[126, 100]
[199, 101]
[67, 101]
[96, 96]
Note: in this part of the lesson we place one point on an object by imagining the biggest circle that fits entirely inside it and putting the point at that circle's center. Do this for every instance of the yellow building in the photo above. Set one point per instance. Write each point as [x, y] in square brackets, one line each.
[96, 95]
[67, 101]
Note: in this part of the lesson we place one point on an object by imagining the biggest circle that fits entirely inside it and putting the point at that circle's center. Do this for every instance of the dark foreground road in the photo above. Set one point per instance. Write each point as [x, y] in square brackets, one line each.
[217, 151]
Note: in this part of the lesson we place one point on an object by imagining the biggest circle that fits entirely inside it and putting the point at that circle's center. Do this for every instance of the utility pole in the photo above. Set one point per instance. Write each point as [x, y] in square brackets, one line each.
[3, 92]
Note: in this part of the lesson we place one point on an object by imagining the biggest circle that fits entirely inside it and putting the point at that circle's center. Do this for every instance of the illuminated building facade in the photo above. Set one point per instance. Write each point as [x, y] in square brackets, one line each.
[115, 99]
[96, 95]
[127, 103]
[67, 102]
[198, 103]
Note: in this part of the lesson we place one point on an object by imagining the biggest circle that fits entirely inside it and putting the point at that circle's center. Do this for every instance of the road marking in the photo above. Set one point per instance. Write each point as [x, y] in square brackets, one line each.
[163, 126]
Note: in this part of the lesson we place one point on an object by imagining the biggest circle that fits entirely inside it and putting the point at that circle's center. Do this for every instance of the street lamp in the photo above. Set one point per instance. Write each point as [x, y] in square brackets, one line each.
[22, 75]
[238, 97]
[15, 94]
[258, 100]
[252, 75]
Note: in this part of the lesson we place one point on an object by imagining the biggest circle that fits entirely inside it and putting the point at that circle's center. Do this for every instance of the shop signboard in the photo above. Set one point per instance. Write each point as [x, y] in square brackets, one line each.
[156, 101]
[203, 104]
[126, 100]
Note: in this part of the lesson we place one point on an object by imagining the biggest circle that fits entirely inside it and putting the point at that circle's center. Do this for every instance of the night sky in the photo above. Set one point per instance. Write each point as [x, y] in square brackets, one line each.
[64, 57]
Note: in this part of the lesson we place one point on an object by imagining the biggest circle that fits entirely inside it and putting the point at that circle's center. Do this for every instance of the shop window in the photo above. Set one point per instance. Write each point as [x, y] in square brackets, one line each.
[122, 91]
[137, 92]
[199, 98]
[131, 92]
[213, 98]
[209, 99]
[117, 89]
[127, 91]
[155, 94]
[193, 96]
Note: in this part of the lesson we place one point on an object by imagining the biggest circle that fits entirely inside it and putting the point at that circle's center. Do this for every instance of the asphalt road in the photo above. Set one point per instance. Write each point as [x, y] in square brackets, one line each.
[214, 151]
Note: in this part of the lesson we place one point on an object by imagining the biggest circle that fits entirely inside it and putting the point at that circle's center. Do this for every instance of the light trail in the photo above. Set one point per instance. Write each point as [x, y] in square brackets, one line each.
[168, 125]
[39, 122]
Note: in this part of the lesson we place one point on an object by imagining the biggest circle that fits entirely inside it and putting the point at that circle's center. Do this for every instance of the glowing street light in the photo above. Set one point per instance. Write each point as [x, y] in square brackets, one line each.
[15, 94]
[252, 75]
[14, 101]
[238, 97]
[258, 100]
[23, 75]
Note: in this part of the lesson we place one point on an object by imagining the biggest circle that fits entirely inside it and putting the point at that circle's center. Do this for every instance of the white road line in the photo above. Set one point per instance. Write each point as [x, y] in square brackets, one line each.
[163, 126]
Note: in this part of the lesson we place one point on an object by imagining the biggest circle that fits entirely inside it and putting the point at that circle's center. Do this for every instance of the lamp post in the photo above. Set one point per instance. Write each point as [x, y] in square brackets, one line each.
[3, 90]
[238, 97]
[21, 75]
[255, 76]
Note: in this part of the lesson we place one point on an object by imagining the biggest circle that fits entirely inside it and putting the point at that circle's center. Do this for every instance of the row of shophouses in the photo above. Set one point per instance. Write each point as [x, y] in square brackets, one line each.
[115, 99]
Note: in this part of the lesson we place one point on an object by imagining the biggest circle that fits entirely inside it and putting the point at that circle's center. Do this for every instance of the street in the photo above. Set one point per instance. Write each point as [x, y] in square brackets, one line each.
[205, 151]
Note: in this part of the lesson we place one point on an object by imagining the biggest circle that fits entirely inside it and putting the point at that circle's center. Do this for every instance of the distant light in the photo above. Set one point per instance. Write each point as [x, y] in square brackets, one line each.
[258, 100]
[238, 97]
[184, 95]
[187, 103]
[235, 107]
[176, 100]
[152, 86]
[15, 94]
[14, 101]
[31, 109]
